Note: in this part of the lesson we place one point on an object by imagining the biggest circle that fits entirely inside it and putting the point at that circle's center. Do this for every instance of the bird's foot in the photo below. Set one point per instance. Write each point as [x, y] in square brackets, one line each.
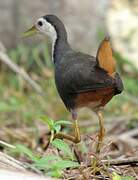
[74, 139]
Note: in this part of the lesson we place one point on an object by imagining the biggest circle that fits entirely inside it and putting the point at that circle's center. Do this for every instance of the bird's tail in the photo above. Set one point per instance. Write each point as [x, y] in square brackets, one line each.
[105, 57]
[119, 87]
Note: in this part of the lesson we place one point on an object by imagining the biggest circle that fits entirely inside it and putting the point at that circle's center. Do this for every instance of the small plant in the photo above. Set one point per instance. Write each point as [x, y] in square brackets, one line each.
[52, 165]
[54, 126]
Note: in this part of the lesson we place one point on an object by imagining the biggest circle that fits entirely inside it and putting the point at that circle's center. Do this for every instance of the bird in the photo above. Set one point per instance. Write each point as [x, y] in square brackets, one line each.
[82, 80]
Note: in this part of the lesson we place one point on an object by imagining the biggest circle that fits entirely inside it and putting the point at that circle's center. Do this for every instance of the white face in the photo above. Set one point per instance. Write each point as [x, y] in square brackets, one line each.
[44, 27]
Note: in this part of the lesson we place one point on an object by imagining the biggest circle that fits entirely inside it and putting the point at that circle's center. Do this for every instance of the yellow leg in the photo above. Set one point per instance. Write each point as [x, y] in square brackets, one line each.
[101, 132]
[76, 138]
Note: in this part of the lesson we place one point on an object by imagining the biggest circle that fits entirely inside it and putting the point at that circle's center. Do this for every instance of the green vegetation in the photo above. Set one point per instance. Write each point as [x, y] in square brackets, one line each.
[51, 164]
[117, 177]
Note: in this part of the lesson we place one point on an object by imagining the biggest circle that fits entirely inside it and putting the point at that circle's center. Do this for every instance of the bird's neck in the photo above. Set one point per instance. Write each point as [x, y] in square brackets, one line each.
[60, 45]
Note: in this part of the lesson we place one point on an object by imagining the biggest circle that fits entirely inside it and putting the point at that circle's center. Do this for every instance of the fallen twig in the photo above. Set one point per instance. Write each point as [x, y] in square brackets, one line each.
[6, 60]
[120, 162]
[16, 175]
[130, 136]
[13, 169]
[10, 163]
[6, 144]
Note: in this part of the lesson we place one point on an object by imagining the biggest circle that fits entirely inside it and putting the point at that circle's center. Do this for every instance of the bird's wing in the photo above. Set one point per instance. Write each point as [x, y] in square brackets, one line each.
[105, 57]
[83, 75]
[85, 81]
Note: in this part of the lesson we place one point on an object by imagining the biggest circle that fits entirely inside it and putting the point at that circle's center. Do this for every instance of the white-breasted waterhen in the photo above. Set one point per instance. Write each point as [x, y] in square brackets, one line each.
[81, 80]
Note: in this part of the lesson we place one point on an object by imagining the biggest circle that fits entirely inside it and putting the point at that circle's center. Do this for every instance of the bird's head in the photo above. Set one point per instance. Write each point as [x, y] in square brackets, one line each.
[49, 25]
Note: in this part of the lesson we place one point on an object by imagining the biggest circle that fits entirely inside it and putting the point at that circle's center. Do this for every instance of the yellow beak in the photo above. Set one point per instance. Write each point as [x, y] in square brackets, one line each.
[30, 32]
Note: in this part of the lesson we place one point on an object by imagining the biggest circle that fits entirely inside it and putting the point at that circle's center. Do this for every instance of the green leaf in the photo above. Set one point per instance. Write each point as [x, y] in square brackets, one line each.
[26, 151]
[64, 147]
[48, 121]
[45, 162]
[63, 164]
[63, 122]
[116, 176]
[57, 128]
[57, 125]
[128, 178]
[55, 173]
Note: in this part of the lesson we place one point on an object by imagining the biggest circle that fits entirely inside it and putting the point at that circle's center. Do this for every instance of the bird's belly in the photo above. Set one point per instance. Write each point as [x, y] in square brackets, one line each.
[94, 99]
[89, 104]
[94, 104]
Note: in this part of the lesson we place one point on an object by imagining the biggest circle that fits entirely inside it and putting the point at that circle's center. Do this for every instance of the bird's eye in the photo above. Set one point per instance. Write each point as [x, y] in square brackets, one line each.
[40, 23]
